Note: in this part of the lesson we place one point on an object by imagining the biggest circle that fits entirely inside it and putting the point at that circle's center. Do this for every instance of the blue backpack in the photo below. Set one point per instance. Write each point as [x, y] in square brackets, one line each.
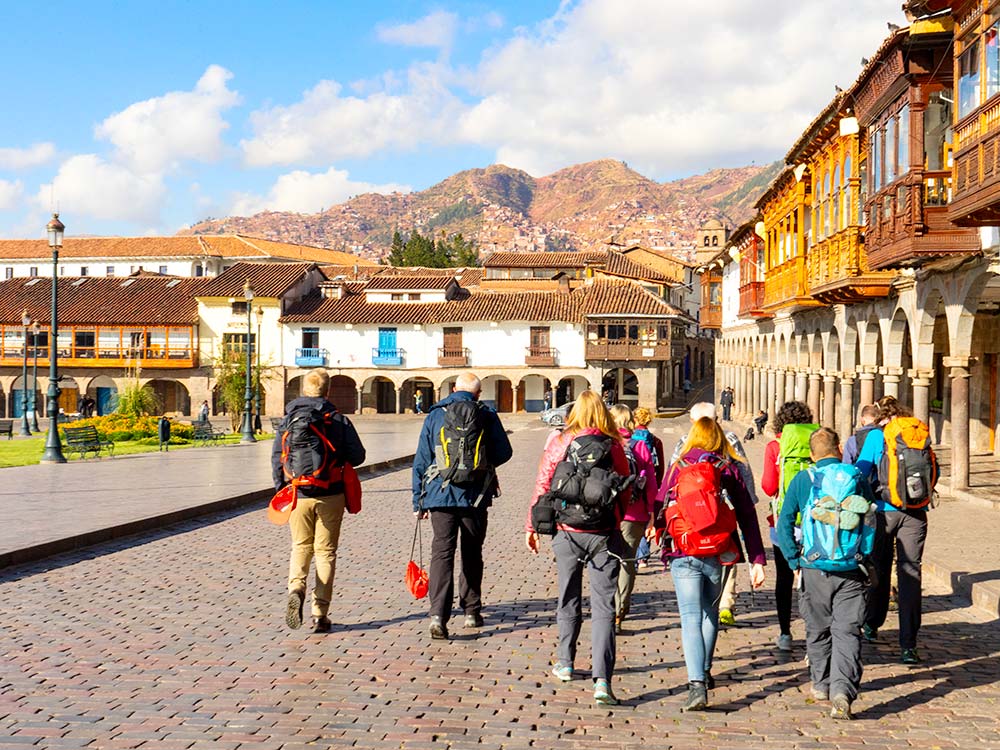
[838, 526]
[644, 435]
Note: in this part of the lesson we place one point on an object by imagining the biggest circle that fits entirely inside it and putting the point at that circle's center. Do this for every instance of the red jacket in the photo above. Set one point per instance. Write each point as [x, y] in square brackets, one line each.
[771, 476]
[554, 453]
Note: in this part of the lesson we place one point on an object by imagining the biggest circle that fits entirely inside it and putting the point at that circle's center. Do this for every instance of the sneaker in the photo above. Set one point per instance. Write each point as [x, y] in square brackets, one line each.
[603, 694]
[293, 612]
[474, 620]
[563, 672]
[841, 708]
[322, 624]
[642, 564]
[697, 697]
[618, 625]
[709, 681]
[784, 642]
[910, 656]
[438, 630]
[726, 617]
[869, 633]
[819, 694]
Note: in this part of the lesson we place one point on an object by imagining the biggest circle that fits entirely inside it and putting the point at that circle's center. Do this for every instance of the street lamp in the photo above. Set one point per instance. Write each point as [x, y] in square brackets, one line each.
[35, 330]
[246, 431]
[258, 423]
[25, 431]
[53, 445]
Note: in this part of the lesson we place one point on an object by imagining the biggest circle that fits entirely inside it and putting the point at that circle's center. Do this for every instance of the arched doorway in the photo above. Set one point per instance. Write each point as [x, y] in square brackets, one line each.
[447, 386]
[344, 394]
[498, 393]
[21, 397]
[104, 391]
[532, 393]
[408, 394]
[172, 395]
[620, 385]
[378, 396]
[293, 389]
[69, 399]
[569, 389]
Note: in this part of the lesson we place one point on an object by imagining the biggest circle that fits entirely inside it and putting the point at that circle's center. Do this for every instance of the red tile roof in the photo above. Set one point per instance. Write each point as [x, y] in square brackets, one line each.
[267, 279]
[625, 267]
[575, 259]
[385, 282]
[103, 301]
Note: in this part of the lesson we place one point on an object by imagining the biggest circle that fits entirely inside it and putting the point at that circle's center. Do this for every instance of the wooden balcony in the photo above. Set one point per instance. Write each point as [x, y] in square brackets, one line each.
[909, 224]
[173, 348]
[453, 357]
[752, 300]
[710, 316]
[628, 351]
[785, 286]
[976, 196]
[540, 356]
[837, 270]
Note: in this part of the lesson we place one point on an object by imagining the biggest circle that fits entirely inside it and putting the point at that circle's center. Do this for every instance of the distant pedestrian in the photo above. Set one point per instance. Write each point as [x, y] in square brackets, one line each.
[687, 387]
[643, 417]
[726, 402]
[549, 399]
[461, 444]
[163, 432]
[586, 536]
[203, 412]
[418, 401]
[760, 421]
[319, 510]
[831, 501]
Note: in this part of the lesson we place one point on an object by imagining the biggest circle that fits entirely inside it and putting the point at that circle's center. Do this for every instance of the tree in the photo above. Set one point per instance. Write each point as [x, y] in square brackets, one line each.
[230, 379]
[444, 252]
[463, 252]
[397, 249]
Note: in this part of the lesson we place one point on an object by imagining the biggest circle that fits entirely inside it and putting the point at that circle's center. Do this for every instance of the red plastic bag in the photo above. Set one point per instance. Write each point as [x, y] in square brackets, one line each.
[416, 576]
[352, 490]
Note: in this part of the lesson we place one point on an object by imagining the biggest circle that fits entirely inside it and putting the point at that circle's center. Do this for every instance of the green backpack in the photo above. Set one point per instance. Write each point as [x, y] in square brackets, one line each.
[793, 457]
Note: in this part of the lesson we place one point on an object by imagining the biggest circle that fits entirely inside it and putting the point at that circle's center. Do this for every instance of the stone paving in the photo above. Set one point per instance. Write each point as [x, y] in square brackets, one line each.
[176, 640]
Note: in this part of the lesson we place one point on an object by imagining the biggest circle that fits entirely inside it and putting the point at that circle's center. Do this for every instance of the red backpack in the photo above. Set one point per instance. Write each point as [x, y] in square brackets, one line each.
[700, 518]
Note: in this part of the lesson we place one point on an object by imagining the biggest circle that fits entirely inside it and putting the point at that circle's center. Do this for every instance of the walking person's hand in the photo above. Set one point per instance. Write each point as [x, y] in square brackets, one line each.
[531, 541]
[756, 575]
[420, 515]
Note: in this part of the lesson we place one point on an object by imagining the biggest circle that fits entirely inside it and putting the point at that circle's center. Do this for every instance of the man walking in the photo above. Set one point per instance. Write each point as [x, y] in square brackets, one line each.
[454, 482]
[319, 510]
[726, 402]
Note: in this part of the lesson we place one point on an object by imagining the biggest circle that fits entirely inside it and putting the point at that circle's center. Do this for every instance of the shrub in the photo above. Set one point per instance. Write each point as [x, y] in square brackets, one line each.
[137, 401]
[156, 441]
[120, 436]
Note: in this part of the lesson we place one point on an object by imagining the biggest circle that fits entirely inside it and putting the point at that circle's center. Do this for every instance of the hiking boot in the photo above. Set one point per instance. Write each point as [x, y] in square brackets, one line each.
[910, 656]
[819, 694]
[474, 620]
[563, 672]
[709, 681]
[293, 612]
[603, 694]
[322, 624]
[841, 708]
[869, 633]
[438, 630]
[726, 617]
[697, 697]
[784, 642]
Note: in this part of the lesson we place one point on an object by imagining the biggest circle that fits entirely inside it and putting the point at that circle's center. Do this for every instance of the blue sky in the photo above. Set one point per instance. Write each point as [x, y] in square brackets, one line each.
[141, 118]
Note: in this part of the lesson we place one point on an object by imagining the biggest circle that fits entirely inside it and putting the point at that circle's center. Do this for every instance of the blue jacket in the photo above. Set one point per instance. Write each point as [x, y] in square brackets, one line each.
[498, 451]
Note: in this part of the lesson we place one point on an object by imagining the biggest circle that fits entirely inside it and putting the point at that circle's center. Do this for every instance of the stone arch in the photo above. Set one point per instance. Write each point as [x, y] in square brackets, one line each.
[408, 394]
[293, 389]
[378, 395]
[104, 390]
[172, 394]
[899, 327]
[831, 356]
[498, 392]
[930, 310]
[446, 386]
[21, 396]
[531, 392]
[344, 393]
[815, 343]
[623, 385]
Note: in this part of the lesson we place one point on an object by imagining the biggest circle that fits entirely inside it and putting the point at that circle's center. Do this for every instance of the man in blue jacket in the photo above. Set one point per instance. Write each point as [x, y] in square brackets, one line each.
[458, 503]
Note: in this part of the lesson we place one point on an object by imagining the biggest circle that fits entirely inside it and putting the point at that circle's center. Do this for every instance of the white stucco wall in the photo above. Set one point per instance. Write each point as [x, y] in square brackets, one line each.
[99, 267]
[216, 319]
[730, 294]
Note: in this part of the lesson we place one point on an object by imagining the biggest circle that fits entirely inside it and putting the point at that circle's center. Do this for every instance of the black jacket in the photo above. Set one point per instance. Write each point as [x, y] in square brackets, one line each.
[341, 433]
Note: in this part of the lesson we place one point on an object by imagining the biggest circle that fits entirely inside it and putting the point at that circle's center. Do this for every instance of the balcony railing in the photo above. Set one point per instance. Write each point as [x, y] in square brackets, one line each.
[310, 357]
[710, 316]
[169, 349]
[977, 170]
[785, 285]
[540, 356]
[453, 357]
[628, 350]
[387, 357]
[752, 299]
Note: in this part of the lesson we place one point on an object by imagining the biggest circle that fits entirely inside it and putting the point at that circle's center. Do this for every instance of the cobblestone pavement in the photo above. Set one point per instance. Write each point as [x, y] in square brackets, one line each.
[177, 640]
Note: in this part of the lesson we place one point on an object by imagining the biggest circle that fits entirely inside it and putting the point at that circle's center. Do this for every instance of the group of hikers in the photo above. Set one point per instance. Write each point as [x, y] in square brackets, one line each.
[605, 492]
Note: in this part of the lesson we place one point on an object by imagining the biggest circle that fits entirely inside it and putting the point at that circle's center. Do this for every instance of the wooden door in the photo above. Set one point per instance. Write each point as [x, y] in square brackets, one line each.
[539, 339]
[344, 393]
[452, 342]
[521, 388]
[505, 397]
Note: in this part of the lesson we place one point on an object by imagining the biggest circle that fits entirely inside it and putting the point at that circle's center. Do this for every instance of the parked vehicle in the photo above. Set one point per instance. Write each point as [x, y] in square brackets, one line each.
[556, 416]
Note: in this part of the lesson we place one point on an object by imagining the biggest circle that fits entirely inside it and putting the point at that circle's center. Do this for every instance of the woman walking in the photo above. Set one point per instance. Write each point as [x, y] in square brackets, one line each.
[643, 417]
[587, 533]
[706, 476]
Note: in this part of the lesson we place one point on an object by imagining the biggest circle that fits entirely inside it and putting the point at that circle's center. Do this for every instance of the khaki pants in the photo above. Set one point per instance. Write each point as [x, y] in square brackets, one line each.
[632, 532]
[728, 600]
[315, 526]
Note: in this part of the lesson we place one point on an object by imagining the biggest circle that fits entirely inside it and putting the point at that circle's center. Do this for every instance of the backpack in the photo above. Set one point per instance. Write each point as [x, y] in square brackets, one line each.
[870, 449]
[793, 457]
[909, 468]
[700, 518]
[585, 488]
[459, 453]
[838, 525]
[647, 437]
[308, 458]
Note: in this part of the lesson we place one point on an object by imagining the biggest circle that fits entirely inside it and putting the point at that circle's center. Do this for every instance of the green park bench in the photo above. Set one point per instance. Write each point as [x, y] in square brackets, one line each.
[204, 433]
[7, 428]
[84, 440]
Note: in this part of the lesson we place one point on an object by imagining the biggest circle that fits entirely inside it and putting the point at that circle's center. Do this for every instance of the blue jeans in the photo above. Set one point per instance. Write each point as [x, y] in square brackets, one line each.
[698, 584]
[643, 552]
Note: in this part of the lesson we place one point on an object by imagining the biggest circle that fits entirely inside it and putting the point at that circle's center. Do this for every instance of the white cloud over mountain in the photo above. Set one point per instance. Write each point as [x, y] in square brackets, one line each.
[105, 190]
[305, 192]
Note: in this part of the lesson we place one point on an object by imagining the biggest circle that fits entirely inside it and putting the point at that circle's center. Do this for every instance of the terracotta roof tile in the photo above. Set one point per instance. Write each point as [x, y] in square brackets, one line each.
[575, 259]
[267, 279]
[624, 266]
[103, 300]
[386, 282]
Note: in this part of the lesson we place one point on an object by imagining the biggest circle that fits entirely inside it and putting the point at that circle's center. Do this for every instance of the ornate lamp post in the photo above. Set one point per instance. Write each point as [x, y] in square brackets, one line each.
[53, 445]
[35, 330]
[25, 430]
[246, 431]
[258, 424]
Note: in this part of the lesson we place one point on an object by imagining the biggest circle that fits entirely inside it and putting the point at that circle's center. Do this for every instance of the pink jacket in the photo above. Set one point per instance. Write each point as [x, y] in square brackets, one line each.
[640, 510]
[555, 451]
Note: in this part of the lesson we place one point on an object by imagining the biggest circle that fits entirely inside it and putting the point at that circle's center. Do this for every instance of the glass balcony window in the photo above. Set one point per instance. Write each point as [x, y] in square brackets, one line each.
[968, 79]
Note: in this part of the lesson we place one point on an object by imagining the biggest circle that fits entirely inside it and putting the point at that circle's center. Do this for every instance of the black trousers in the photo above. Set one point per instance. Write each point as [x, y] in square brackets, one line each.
[453, 527]
[900, 535]
[784, 582]
[833, 607]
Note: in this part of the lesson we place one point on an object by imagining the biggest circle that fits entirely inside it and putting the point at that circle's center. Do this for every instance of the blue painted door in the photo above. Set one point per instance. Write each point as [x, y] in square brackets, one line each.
[386, 341]
[18, 409]
[105, 401]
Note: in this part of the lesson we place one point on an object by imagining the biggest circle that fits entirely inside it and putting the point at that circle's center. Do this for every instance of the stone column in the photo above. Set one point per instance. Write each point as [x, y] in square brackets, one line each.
[890, 381]
[747, 398]
[959, 421]
[812, 397]
[801, 385]
[769, 400]
[779, 390]
[867, 395]
[829, 401]
[845, 421]
[790, 385]
[754, 390]
[921, 382]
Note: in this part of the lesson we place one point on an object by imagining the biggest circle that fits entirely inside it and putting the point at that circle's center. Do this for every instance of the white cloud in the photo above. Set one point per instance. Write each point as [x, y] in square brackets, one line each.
[157, 134]
[10, 194]
[436, 30]
[88, 185]
[25, 158]
[327, 125]
[305, 192]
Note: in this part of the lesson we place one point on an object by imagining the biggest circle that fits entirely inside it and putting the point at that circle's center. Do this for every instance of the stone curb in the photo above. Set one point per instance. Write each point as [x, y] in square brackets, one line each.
[982, 594]
[98, 536]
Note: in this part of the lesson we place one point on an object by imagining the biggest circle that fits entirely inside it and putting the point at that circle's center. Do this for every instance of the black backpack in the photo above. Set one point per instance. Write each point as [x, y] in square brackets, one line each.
[585, 487]
[461, 454]
[308, 458]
